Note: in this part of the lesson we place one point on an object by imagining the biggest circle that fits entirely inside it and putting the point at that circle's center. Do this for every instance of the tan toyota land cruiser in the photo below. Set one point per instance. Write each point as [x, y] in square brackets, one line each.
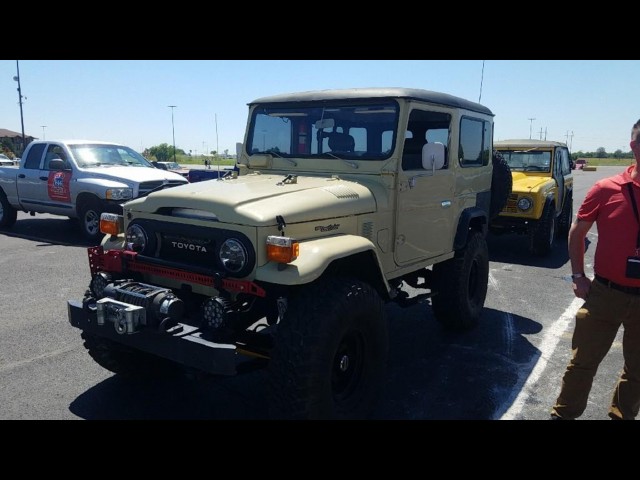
[345, 200]
[541, 201]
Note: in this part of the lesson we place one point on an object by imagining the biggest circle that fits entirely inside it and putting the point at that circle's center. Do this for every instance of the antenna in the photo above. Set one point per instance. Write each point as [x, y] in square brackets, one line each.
[481, 79]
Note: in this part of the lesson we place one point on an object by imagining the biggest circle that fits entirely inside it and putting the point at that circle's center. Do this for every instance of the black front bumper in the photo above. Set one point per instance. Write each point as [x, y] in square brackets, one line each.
[183, 344]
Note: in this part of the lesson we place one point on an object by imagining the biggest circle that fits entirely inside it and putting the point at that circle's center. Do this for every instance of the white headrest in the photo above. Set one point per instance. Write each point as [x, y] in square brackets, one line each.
[433, 154]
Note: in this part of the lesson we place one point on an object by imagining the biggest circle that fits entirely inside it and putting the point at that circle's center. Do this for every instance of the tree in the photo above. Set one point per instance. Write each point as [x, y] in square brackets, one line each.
[164, 152]
[617, 154]
[601, 152]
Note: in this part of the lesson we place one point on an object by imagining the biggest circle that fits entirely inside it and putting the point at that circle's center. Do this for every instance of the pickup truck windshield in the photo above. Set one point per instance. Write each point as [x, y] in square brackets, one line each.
[346, 131]
[101, 155]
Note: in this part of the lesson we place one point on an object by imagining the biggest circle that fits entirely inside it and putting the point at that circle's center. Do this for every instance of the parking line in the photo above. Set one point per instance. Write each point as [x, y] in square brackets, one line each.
[525, 387]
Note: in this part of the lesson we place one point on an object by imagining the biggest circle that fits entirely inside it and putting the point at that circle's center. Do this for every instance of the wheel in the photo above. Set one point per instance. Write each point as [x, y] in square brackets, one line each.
[566, 217]
[501, 184]
[125, 361]
[460, 285]
[542, 232]
[8, 214]
[330, 352]
[89, 212]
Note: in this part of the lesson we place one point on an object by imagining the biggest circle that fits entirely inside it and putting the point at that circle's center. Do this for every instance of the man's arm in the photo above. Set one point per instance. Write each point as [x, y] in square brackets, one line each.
[577, 234]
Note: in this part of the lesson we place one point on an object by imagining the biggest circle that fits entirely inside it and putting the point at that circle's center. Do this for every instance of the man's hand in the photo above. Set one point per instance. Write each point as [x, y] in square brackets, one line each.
[581, 287]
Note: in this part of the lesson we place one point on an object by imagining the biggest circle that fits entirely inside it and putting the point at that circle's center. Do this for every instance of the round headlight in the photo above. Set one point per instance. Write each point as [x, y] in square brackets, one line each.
[524, 203]
[136, 238]
[233, 255]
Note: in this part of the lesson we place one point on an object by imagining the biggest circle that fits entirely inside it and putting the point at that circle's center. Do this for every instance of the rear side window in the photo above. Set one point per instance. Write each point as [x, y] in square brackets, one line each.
[475, 142]
[34, 156]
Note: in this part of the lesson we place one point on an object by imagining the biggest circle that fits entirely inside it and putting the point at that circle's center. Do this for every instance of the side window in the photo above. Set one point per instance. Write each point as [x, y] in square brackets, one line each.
[35, 155]
[475, 142]
[424, 127]
[557, 163]
[566, 162]
[54, 152]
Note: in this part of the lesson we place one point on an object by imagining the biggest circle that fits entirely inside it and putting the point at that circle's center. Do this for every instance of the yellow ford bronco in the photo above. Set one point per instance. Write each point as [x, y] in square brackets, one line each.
[541, 202]
[344, 200]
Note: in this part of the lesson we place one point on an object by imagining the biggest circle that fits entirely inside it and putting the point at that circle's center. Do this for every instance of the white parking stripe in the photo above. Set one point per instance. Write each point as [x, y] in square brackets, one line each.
[548, 345]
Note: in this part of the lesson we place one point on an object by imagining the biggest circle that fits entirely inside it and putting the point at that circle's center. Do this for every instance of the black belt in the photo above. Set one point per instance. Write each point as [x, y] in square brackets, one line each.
[615, 286]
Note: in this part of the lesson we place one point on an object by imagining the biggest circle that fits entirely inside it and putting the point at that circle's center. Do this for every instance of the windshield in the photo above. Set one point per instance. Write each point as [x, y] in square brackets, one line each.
[527, 160]
[99, 155]
[173, 165]
[347, 131]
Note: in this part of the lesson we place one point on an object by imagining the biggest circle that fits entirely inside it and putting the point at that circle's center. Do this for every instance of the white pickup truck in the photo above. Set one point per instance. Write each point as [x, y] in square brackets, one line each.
[78, 179]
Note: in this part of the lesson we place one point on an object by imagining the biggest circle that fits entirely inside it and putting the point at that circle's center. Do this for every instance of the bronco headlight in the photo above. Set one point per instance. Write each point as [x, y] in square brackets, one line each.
[524, 204]
[233, 255]
[136, 238]
[119, 193]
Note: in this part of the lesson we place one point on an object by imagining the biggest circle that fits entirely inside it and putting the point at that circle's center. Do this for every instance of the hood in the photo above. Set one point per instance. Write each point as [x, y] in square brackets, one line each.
[523, 183]
[133, 174]
[256, 199]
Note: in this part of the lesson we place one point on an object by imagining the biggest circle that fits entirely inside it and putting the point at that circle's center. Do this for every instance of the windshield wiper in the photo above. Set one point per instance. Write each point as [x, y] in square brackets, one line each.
[351, 164]
[293, 162]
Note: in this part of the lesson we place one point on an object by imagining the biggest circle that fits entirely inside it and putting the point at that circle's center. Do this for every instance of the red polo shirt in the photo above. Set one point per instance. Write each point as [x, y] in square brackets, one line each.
[607, 203]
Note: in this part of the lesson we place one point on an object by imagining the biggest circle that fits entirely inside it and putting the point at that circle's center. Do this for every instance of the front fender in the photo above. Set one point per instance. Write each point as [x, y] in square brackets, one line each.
[314, 258]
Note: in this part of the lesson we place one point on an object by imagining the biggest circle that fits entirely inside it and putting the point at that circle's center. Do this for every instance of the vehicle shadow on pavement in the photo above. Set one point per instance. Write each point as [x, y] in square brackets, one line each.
[51, 230]
[513, 248]
[432, 375]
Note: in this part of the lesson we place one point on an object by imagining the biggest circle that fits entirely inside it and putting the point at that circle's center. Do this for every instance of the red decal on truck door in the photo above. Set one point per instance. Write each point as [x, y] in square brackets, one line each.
[58, 186]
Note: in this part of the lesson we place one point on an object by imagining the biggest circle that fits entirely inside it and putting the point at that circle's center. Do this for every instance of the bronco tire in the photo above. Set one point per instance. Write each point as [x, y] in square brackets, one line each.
[8, 214]
[89, 212]
[125, 361]
[501, 184]
[566, 217]
[542, 232]
[460, 285]
[330, 352]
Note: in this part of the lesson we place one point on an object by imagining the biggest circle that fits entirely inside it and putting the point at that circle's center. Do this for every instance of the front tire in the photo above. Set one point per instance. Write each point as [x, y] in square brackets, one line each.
[89, 213]
[8, 214]
[542, 232]
[126, 361]
[461, 284]
[566, 217]
[330, 352]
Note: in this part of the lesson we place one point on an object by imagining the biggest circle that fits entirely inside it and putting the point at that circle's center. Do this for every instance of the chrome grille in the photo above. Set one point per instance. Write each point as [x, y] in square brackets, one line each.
[146, 187]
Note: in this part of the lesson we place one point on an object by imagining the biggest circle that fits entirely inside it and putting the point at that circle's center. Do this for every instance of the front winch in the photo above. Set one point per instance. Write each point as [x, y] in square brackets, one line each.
[130, 305]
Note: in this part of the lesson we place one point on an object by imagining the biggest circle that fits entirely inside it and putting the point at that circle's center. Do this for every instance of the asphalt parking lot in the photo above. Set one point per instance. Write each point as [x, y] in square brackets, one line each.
[508, 368]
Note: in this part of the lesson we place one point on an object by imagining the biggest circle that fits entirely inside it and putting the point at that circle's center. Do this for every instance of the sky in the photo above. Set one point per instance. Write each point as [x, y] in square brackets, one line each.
[587, 104]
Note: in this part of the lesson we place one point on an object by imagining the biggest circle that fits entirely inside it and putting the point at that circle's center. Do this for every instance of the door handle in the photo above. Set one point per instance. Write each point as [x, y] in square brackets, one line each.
[44, 178]
[22, 175]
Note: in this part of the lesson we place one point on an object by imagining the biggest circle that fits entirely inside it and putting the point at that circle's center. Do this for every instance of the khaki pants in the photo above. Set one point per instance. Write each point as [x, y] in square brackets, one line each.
[597, 324]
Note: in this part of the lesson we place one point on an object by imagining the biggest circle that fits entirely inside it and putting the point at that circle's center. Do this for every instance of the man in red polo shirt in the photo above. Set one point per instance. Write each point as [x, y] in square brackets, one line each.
[612, 298]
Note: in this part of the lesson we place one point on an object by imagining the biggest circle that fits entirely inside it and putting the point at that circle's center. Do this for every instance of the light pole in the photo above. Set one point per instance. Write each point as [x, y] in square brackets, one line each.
[17, 79]
[174, 131]
[530, 126]
[43, 127]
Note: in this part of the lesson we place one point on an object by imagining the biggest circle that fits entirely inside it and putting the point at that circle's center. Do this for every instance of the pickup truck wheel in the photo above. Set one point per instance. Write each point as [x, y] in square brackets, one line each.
[89, 215]
[460, 285]
[501, 184]
[125, 361]
[542, 232]
[330, 352]
[8, 214]
[566, 217]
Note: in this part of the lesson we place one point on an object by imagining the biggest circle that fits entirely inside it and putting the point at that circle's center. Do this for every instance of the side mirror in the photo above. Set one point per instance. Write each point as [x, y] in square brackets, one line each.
[239, 158]
[57, 164]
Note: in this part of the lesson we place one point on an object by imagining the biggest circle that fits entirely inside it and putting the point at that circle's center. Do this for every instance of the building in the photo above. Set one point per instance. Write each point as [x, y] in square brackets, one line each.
[13, 141]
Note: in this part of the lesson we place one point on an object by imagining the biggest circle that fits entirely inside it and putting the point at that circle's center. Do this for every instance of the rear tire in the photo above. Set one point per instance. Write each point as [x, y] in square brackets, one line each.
[8, 214]
[461, 284]
[501, 184]
[330, 352]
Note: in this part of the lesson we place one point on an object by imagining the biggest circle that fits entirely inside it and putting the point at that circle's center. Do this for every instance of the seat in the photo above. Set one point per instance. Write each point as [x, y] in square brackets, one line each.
[341, 142]
[434, 155]
[412, 154]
